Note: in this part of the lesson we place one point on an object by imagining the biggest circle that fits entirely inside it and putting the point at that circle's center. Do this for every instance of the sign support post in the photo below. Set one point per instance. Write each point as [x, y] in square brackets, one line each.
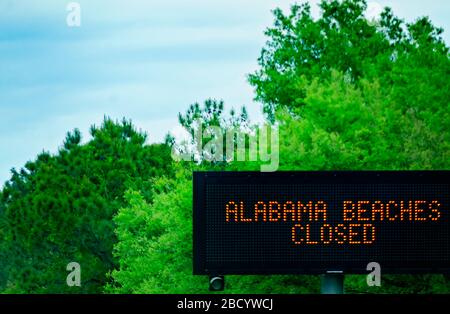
[332, 283]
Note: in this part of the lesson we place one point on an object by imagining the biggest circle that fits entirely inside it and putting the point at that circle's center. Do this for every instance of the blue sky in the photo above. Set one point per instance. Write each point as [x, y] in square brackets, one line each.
[144, 60]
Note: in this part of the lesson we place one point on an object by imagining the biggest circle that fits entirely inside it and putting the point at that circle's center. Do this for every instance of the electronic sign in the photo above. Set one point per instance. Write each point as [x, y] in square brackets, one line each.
[323, 221]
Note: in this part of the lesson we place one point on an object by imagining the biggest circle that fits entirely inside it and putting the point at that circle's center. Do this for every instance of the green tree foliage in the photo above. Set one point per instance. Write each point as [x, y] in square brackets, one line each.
[207, 121]
[343, 126]
[355, 94]
[346, 93]
[351, 94]
[155, 240]
[155, 247]
[301, 49]
[59, 209]
[212, 114]
[3, 249]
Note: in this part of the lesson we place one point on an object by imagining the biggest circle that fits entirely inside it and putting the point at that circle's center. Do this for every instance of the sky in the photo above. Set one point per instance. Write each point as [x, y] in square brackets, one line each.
[143, 60]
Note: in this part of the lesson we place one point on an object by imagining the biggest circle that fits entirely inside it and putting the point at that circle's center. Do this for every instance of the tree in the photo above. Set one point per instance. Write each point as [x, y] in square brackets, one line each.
[346, 93]
[59, 208]
[353, 95]
[301, 49]
[204, 122]
[155, 246]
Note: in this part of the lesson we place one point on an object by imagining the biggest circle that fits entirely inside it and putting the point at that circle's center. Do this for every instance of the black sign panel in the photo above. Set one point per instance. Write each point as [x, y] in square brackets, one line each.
[317, 222]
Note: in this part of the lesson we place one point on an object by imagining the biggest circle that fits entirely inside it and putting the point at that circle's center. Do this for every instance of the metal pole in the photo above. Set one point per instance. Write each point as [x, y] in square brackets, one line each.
[332, 284]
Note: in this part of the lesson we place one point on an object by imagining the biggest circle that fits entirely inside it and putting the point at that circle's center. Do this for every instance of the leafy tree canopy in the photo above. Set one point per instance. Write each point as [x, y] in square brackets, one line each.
[59, 208]
[346, 93]
[300, 49]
